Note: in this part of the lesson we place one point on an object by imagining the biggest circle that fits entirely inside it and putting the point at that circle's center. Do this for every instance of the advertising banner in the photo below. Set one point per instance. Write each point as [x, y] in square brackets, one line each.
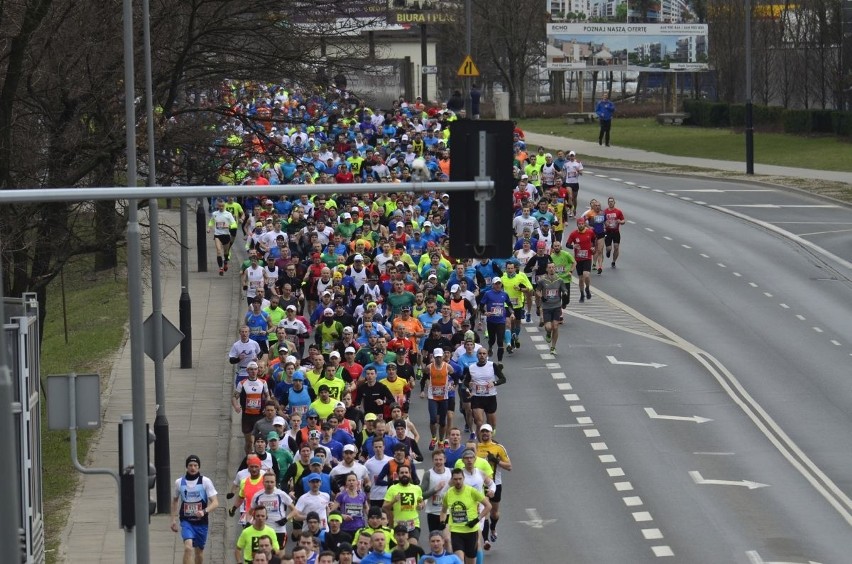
[627, 46]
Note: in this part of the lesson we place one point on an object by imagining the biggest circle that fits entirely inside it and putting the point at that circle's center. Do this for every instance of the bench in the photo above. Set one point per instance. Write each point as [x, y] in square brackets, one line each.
[580, 117]
[672, 118]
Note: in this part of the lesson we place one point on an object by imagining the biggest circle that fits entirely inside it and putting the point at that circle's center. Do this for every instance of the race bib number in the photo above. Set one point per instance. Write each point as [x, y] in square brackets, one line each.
[482, 389]
[560, 268]
[438, 391]
[353, 509]
[497, 310]
[408, 524]
[252, 403]
[192, 509]
[221, 225]
[582, 254]
[611, 223]
[437, 499]
[551, 293]
[298, 410]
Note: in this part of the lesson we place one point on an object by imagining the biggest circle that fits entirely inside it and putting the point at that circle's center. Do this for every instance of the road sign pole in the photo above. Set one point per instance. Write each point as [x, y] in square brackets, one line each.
[468, 15]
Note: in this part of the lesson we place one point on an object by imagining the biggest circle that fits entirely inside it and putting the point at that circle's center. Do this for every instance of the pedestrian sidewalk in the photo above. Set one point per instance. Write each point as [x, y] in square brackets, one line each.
[554, 142]
[197, 407]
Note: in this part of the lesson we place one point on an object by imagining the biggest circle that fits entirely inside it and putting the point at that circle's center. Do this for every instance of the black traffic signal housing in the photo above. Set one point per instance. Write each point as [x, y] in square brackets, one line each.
[481, 148]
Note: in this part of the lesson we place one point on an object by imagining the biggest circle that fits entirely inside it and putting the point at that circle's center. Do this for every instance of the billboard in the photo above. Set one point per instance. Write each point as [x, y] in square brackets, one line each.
[627, 46]
[407, 12]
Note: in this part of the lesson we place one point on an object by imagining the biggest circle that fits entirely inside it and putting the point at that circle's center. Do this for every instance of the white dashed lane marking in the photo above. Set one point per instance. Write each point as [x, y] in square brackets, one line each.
[599, 446]
[835, 342]
[685, 246]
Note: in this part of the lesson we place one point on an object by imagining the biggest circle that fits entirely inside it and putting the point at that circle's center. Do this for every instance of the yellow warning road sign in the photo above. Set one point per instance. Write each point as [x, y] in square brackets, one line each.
[468, 68]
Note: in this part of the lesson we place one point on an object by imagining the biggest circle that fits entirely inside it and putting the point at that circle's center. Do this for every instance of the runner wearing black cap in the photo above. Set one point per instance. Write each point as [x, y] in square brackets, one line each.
[194, 498]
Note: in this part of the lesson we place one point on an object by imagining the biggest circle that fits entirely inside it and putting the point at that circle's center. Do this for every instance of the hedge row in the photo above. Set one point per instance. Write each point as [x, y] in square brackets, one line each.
[718, 114]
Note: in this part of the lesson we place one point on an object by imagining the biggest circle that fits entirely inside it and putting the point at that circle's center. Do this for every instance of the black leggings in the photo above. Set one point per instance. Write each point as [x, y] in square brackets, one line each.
[496, 332]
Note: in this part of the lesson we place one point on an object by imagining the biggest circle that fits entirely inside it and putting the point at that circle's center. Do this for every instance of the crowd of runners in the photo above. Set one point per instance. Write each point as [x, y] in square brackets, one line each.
[356, 315]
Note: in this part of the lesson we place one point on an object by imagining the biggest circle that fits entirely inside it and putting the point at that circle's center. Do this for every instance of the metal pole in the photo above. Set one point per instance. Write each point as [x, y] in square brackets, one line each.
[134, 287]
[749, 115]
[161, 422]
[468, 103]
[10, 520]
[423, 62]
[117, 193]
[185, 303]
[201, 235]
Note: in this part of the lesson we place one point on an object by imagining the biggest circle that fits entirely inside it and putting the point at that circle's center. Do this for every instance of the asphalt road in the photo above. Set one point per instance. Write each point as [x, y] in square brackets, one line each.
[738, 448]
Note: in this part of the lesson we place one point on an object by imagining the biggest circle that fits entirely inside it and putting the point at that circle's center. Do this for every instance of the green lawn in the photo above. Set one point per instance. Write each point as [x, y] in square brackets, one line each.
[97, 310]
[818, 152]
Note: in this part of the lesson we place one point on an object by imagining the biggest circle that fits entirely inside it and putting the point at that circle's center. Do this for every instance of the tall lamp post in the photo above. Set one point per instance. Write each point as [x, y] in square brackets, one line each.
[749, 116]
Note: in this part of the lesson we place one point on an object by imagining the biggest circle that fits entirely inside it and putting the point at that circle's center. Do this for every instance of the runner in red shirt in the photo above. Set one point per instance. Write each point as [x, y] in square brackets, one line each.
[613, 220]
[582, 240]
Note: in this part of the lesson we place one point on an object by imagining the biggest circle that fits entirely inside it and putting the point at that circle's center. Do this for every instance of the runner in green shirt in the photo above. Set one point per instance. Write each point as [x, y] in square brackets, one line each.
[250, 536]
[403, 502]
[517, 286]
[461, 504]
[564, 262]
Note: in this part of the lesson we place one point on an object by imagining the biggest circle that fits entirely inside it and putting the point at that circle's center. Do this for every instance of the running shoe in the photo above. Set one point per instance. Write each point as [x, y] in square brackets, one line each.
[432, 443]
[608, 252]
[493, 536]
[613, 264]
[517, 341]
[225, 268]
[600, 270]
[510, 349]
[486, 545]
[553, 350]
[582, 298]
[547, 336]
[221, 272]
[467, 428]
[588, 294]
[472, 436]
[529, 318]
[446, 443]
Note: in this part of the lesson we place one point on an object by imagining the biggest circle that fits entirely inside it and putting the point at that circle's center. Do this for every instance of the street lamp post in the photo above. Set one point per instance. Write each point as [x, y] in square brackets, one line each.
[749, 116]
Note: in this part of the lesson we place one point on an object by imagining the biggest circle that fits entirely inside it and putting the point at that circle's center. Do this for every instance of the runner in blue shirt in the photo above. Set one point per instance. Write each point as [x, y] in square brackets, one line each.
[498, 308]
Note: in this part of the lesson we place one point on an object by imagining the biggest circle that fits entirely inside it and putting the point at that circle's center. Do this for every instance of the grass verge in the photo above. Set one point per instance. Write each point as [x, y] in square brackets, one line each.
[96, 308]
[678, 141]
[817, 152]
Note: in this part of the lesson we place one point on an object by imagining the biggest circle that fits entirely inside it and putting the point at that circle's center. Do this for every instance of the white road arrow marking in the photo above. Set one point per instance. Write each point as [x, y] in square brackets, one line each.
[652, 413]
[755, 558]
[535, 521]
[613, 360]
[698, 479]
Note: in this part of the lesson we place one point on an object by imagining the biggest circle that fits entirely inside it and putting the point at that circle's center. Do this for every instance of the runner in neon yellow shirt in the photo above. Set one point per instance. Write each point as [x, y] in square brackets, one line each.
[519, 287]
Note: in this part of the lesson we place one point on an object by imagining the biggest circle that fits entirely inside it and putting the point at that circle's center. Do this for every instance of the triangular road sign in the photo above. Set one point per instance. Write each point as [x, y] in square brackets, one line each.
[468, 68]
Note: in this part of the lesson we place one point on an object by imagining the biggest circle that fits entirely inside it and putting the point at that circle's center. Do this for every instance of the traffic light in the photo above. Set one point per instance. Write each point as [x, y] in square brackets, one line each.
[127, 470]
[480, 221]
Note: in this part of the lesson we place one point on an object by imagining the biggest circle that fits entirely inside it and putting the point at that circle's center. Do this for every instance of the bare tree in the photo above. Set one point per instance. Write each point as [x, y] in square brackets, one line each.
[513, 34]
